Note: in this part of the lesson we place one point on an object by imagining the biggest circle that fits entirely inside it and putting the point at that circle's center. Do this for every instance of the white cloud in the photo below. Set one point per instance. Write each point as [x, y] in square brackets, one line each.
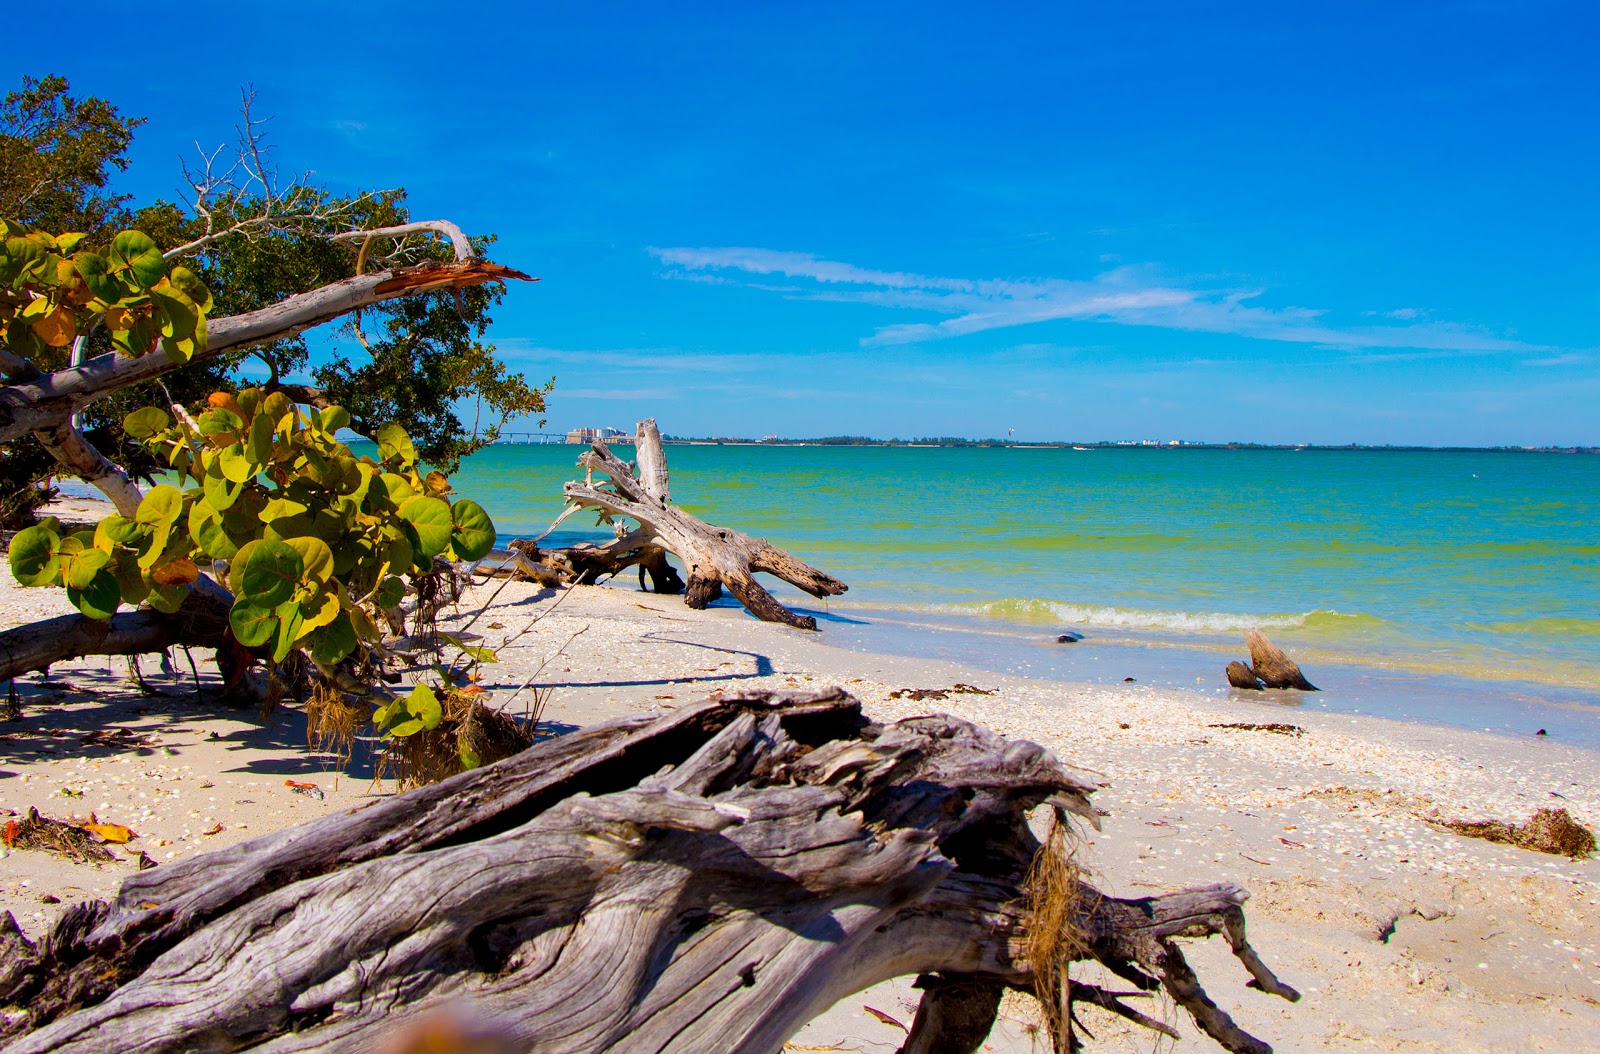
[1122, 296]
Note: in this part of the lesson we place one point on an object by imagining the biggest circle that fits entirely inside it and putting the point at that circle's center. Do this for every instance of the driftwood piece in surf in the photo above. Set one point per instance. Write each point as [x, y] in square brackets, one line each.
[714, 558]
[707, 880]
[1241, 676]
[1274, 668]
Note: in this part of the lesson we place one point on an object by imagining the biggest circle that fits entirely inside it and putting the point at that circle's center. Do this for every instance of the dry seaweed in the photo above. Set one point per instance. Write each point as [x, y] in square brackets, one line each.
[54, 836]
[919, 694]
[1272, 726]
[1550, 831]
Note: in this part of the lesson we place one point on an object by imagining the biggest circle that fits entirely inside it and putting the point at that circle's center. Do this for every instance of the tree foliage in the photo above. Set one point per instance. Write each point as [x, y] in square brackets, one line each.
[251, 240]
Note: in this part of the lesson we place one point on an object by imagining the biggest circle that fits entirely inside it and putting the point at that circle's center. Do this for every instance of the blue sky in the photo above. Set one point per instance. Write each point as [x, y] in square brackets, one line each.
[1276, 222]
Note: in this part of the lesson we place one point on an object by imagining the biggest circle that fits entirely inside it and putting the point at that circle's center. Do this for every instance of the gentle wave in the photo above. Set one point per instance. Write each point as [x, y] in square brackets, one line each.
[1546, 627]
[1055, 612]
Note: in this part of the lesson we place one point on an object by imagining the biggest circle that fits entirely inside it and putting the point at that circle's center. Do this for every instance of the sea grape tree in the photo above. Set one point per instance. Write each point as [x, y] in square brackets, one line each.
[317, 542]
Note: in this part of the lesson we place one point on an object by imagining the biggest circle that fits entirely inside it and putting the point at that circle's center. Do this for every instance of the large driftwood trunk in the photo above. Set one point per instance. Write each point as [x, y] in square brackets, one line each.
[714, 558]
[708, 880]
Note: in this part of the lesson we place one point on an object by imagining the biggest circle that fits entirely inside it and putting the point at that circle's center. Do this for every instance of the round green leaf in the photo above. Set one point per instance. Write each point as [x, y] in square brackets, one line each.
[99, 597]
[167, 599]
[191, 286]
[139, 255]
[316, 558]
[234, 463]
[280, 508]
[146, 422]
[431, 518]
[333, 641]
[252, 624]
[79, 570]
[271, 571]
[96, 272]
[390, 592]
[472, 535]
[395, 445]
[34, 556]
[161, 507]
[259, 446]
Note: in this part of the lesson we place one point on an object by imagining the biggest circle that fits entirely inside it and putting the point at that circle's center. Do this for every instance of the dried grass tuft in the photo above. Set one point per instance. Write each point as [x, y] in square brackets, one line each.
[1551, 831]
[332, 722]
[1054, 904]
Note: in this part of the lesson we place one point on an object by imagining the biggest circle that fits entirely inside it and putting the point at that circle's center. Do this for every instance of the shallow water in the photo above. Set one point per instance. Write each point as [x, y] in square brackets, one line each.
[1446, 585]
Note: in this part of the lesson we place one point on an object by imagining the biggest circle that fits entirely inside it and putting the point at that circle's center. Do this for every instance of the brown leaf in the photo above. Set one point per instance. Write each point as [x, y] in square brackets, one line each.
[218, 829]
[177, 572]
[885, 1018]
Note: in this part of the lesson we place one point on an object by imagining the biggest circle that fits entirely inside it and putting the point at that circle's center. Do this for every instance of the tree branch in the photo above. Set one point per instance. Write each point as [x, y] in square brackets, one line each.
[79, 457]
[46, 402]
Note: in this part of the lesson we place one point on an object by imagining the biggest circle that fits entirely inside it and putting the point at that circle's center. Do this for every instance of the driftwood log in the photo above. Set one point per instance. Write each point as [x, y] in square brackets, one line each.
[714, 558]
[1275, 669]
[708, 880]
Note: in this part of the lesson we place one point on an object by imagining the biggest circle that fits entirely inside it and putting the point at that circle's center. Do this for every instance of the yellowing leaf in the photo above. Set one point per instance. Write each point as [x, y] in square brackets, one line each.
[111, 832]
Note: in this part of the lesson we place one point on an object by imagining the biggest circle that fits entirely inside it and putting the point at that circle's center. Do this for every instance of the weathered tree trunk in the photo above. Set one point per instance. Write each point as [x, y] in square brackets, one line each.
[1275, 669]
[713, 557]
[708, 880]
[202, 622]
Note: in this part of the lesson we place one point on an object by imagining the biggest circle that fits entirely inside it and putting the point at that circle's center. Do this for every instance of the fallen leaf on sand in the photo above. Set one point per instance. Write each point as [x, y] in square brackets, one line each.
[310, 790]
[218, 829]
[111, 832]
[885, 1018]
[1290, 841]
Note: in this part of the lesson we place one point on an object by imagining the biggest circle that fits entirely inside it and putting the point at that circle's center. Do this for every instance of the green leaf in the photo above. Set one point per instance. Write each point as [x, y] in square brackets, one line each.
[431, 518]
[316, 558]
[234, 464]
[335, 418]
[333, 641]
[99, 597]
[279, 508]
[96, 272]
[139, 255]
[396, 486]
[469, 757]
[252, 624]
[410, 714]
[290, 619]
[117, 530]
[79, 570]
[218, 421]
[191, 286]
[271, 571]
[319, 611]
[167, 599]
[390, 592]
[259, 446]
[161, 507]
[34, 556]
[395, 445]
[159, 511]
[214, 541]
[146, 422]
[472, 534]
[220, 491]
[471, 651]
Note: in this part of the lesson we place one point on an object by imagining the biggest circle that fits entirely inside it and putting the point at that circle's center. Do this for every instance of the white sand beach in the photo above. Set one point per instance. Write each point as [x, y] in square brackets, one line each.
[1402, 936]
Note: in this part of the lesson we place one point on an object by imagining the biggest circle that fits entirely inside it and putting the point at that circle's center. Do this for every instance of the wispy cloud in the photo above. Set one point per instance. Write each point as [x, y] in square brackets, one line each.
[1123, 296]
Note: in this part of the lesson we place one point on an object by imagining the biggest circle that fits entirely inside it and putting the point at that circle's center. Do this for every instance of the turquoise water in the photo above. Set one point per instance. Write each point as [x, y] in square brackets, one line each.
[1450, 574]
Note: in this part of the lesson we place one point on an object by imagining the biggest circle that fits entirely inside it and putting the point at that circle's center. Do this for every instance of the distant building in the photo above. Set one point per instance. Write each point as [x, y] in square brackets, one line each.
[589, 435]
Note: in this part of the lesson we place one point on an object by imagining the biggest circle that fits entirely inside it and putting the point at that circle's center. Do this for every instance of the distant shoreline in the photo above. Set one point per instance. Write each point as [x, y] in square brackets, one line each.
[861, 441]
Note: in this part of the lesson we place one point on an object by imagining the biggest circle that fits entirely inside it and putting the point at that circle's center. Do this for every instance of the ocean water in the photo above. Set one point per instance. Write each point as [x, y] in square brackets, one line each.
[1461, 587]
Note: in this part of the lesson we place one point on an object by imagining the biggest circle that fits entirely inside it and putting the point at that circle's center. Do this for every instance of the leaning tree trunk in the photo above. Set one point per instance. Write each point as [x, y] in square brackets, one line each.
[201, 622]
[713, 557]
[708, 880]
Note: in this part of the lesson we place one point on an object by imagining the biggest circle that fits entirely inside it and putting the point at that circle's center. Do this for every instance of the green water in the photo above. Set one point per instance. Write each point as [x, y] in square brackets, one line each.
[1482, 567]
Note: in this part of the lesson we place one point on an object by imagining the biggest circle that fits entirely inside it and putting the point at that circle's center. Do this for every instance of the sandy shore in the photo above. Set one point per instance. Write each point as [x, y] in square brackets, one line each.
[1402, 937]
